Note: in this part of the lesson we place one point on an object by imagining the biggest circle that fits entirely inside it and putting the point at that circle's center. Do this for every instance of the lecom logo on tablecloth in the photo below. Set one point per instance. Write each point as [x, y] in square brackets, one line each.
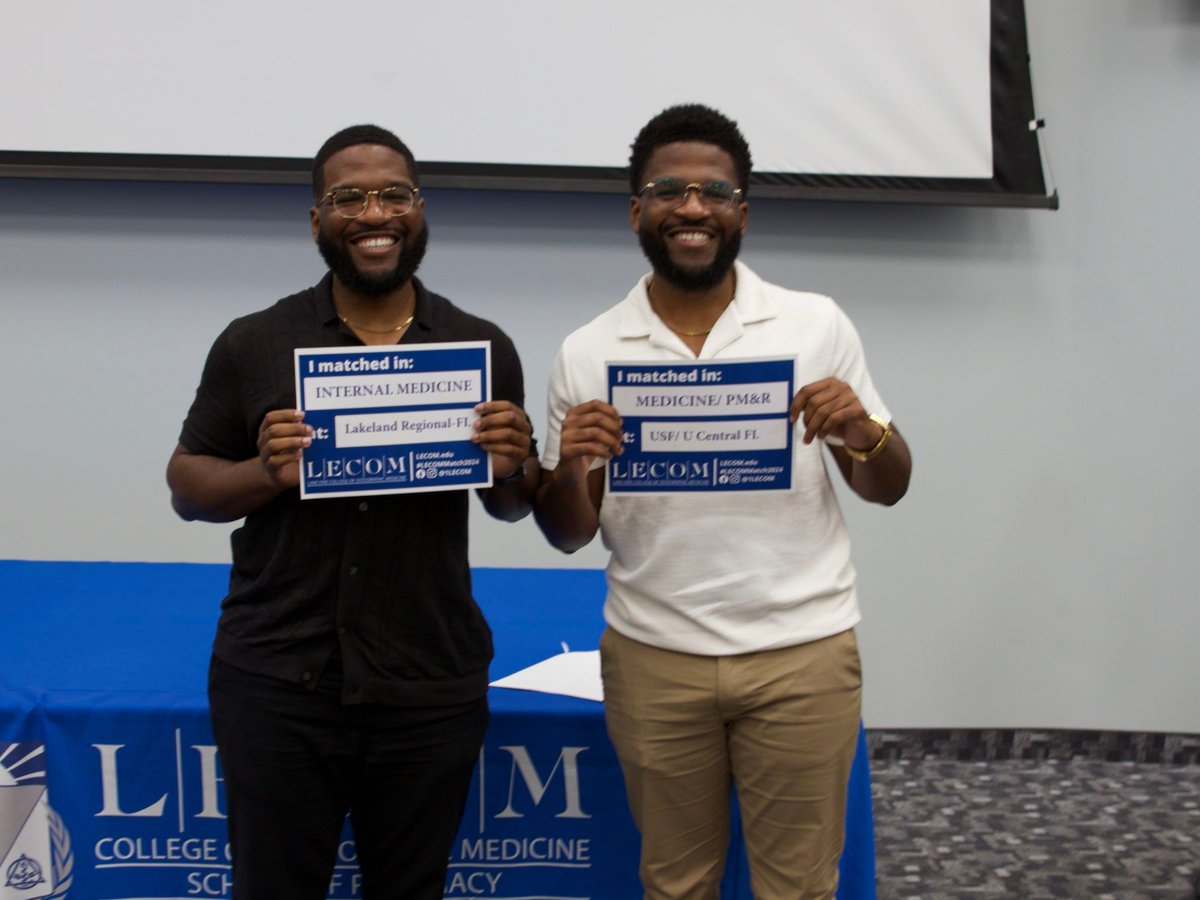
[35, 848]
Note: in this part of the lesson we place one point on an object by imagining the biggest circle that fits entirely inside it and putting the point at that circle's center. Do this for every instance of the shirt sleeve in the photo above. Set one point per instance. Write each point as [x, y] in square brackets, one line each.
[559, 400]
[215, 425]
[507, 374]
[850, 365]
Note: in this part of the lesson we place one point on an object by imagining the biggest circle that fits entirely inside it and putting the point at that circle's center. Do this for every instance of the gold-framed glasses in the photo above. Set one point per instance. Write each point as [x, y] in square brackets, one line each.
[351, 202]
[715, 195]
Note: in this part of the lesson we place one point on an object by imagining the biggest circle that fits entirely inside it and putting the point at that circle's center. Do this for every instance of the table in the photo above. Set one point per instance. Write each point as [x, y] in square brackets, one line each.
[110, 786]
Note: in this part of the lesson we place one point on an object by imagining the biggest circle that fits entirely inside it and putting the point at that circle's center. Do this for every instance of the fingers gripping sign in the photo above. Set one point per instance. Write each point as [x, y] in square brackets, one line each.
[504, 431]
[830, 408]
[281, 437]
[590, 431]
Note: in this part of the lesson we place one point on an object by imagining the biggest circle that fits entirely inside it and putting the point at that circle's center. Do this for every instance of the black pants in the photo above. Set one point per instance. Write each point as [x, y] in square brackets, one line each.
[296, 761]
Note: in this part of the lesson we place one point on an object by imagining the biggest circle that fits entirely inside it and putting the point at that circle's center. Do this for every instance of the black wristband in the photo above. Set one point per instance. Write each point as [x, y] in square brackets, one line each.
[518, 472]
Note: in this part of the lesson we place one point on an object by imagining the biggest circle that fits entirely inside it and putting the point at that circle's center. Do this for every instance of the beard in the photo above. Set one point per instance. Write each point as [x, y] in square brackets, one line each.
[342, 265]
[655, 248]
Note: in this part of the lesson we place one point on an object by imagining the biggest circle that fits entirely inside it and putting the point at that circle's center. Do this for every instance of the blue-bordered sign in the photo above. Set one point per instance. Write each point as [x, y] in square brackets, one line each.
[702, 426]
[392, 419]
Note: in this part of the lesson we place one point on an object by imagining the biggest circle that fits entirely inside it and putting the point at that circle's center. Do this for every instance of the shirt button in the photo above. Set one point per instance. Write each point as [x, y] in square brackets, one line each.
[342, 629]
[354, 570]
[307, 676]
[362, 507]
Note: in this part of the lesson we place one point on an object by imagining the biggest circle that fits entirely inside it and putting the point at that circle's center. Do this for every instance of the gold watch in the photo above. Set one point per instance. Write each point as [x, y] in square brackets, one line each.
[867, 455]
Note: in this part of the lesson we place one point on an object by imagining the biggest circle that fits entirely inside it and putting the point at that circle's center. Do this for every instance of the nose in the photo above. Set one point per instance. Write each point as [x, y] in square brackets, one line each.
[691, 204]
[375, 210]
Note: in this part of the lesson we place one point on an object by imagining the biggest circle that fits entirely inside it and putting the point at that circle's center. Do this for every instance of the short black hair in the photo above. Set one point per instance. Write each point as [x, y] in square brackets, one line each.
[689, 122]
[352, 136]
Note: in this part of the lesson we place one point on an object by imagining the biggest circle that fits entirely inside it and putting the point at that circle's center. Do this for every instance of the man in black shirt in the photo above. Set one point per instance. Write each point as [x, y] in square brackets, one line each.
[349, 670]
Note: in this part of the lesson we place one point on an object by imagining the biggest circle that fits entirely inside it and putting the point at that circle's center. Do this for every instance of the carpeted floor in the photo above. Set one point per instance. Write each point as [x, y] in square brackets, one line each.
[1029, 829]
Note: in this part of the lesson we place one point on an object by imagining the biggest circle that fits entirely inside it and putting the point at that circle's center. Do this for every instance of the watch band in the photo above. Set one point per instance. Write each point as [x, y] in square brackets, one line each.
[518, 472]
[868, 455]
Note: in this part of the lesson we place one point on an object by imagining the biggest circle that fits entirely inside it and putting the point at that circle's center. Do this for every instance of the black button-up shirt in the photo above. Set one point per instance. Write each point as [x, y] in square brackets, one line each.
[382, 580]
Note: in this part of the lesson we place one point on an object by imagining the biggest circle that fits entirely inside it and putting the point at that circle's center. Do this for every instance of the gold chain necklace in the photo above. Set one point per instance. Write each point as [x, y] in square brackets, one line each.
[679, 331]
[399, 327]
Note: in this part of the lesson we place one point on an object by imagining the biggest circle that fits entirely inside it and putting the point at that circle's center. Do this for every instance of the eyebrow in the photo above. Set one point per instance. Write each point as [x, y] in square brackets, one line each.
[339, 187]
[699, 185]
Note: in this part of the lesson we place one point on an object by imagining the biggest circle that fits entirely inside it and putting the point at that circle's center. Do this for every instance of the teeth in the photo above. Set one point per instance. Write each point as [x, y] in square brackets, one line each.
[691, 236]
[373, 242]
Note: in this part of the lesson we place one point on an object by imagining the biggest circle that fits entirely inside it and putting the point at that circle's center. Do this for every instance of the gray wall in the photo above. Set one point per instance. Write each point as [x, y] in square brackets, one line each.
[1042, 365]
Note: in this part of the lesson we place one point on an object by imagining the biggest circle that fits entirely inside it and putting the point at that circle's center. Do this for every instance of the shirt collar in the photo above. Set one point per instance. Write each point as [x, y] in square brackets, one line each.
[423, 310]
[323, 300]
[751, 303]
[423, 318]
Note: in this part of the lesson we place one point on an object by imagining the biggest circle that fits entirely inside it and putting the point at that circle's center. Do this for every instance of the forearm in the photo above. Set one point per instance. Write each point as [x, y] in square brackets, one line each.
[568, 508]
[212, 489]
[512, 500]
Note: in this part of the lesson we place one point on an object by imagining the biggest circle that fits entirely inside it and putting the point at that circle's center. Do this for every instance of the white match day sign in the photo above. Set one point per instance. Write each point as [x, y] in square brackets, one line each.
[392, 419]
[715, 425]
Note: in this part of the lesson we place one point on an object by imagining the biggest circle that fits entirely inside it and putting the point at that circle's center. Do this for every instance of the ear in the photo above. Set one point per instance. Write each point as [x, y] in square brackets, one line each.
[635, 213]
[743, 214]
[314, 218]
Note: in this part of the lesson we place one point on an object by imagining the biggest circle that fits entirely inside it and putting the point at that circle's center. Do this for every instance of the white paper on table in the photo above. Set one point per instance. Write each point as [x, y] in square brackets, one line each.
[571, 673]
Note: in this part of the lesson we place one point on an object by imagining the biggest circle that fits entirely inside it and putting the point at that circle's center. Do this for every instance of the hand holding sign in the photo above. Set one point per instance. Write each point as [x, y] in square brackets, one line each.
[504, 431]
[590, 431]
[830, 408]
[281, 437]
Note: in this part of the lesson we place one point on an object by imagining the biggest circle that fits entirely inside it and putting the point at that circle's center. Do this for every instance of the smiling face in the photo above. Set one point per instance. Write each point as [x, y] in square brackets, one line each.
[373, 254]
[689, 243]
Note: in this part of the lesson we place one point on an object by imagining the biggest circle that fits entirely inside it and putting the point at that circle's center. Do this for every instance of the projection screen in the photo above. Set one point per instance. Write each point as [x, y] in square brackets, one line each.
[913, 100]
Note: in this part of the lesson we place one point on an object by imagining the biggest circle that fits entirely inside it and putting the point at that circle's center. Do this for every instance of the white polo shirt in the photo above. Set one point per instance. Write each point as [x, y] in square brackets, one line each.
[724, 573]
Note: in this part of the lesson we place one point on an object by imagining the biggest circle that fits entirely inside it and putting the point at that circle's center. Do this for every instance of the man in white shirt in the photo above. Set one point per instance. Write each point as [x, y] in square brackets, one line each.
[729, 656]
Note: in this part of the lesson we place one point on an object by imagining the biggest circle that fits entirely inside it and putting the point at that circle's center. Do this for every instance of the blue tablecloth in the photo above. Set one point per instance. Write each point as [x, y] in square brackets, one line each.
[110, 787]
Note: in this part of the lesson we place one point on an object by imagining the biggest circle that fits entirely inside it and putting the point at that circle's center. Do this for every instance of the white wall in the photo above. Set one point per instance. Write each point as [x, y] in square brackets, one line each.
[1042, 365]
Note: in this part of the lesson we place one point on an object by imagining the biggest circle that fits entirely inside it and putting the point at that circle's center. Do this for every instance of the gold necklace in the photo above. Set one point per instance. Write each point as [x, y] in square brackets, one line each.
[679, 331]
[399, 327]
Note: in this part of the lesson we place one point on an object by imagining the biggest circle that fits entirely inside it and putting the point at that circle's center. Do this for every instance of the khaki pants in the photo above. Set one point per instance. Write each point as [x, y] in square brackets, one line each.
[780, 724]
